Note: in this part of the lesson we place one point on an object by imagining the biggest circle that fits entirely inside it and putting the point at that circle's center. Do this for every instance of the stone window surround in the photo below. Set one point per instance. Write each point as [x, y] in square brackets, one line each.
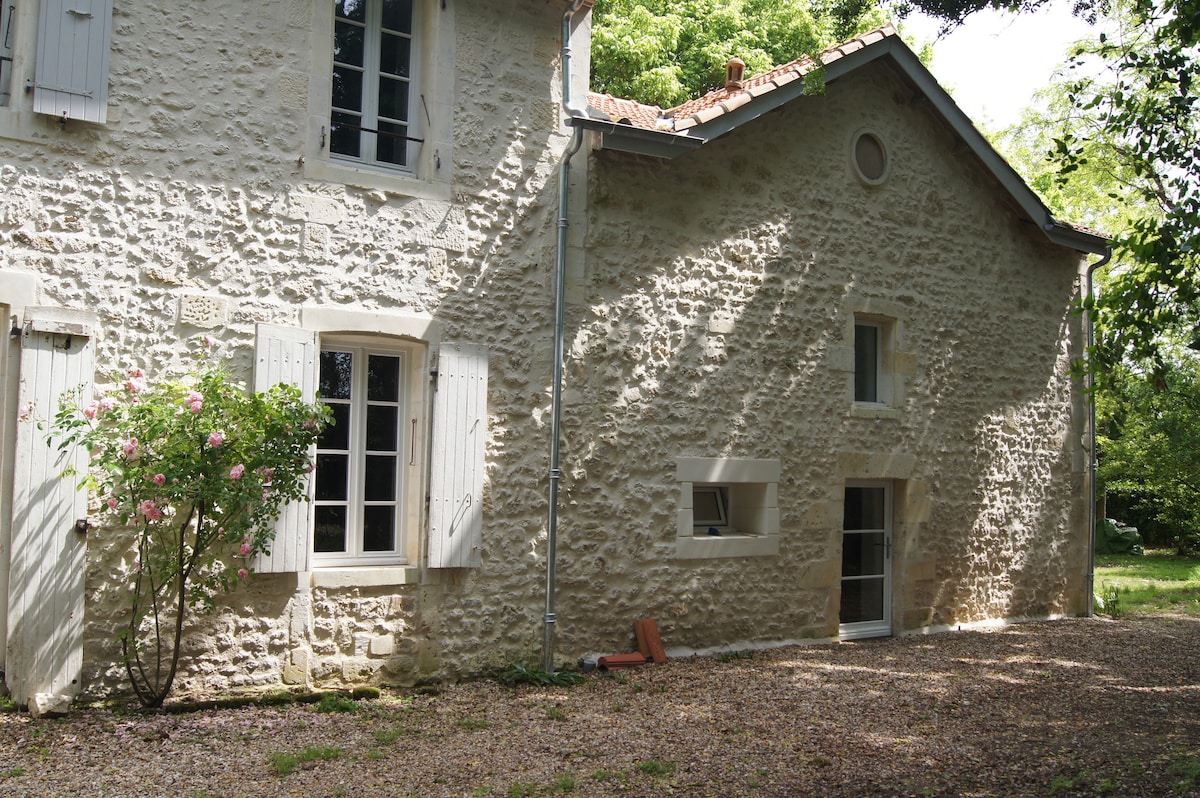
[432, 112]
[753, 491]
[896, 364]
[398, 324]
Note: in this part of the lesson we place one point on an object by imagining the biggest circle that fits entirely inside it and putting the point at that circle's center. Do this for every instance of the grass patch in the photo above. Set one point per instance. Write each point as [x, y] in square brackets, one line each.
[564, 783]
[730, 656]
[335, 702]
[653, 767]
[472, 724]
[1155, 583]
[528, 674]
[284, 763]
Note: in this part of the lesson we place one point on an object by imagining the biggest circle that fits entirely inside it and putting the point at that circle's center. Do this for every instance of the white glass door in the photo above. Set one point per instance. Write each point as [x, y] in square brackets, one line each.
[866, 608]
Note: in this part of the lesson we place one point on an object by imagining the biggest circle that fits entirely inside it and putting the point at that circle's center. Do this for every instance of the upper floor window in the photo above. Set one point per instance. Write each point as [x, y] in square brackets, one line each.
[372, 97]
[874, 345]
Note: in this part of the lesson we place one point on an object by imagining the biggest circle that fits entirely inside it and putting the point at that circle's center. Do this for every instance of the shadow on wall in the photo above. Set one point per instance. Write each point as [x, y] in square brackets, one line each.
[716, 301]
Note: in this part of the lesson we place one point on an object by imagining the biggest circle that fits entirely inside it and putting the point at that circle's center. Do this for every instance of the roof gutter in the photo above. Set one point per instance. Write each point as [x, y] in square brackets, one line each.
[560, 273]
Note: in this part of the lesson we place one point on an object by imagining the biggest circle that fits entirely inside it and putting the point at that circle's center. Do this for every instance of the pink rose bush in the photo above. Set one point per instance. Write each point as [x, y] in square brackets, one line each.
[195, 474]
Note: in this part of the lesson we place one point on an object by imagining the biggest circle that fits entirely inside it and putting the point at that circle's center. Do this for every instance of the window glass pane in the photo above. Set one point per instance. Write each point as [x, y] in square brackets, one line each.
[708, 507]
[383, 378]
[329, 529]
[393, 98]
[344, 137]
[347, 88]
[336, 435]
[348, 44]
[397, 15]
[865, 508]
[866, 363]
[381, 429]
[862, 600]
[394, 56]
[351, 9]
[392, 146]
[331, 476]
[335, 375]
[862, 554]
[380, 478]
[379, 528]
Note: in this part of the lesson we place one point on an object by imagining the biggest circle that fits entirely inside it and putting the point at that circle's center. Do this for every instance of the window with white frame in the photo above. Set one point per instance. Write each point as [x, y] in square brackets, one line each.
[359, 481]
[371, 107]
[872, 360]
[407, 445]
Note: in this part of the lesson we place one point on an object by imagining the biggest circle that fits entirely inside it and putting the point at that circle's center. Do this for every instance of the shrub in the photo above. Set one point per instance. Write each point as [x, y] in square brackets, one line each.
[200, 470]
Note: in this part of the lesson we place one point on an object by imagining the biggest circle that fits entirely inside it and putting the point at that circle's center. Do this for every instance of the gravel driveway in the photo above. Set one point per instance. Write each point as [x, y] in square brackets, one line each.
[1073, 707]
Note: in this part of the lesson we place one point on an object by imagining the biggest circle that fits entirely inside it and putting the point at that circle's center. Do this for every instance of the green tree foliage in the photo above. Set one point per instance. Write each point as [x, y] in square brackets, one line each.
[1149, 440]
[1141, 114]
[1122, 130]
[665, 52]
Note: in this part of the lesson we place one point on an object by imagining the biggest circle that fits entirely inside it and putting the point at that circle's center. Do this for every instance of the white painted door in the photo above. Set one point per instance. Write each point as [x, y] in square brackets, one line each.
[45, 589]
[866, 607]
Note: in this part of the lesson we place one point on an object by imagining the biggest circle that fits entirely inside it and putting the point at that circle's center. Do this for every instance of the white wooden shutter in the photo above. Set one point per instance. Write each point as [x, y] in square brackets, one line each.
[456, 471]
[72, 59]
[44, 652]
[287, 355]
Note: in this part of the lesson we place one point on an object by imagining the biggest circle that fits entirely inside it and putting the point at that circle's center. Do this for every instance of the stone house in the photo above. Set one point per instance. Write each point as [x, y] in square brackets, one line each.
[815, 346]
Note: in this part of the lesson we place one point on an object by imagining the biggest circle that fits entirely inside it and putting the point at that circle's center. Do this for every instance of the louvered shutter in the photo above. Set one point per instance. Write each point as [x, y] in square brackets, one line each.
[456, 471]
[72, 59]
[47, 557]
[287, 355]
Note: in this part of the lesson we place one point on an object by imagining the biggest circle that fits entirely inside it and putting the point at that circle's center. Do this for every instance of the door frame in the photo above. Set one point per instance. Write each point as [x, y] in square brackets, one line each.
[881, 627]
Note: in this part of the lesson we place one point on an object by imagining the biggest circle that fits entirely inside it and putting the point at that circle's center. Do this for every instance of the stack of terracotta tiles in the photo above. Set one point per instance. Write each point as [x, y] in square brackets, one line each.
[650, 647]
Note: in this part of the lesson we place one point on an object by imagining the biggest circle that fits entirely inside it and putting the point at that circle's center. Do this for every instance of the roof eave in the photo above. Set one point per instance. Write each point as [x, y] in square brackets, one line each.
[627, 138]
[944, 105]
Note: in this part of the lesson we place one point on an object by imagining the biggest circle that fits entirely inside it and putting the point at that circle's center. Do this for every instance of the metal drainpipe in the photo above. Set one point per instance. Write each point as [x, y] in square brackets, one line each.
[1090, 381]
[560, 272]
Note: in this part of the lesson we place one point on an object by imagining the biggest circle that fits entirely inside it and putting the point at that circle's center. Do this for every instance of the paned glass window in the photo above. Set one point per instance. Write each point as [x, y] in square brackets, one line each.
[372, 81]
[359, 474]
[866, 363]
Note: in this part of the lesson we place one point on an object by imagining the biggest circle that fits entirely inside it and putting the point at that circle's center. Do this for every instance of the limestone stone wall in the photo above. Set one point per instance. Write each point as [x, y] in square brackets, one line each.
[709, 318]
[201, 208]
[719, 302]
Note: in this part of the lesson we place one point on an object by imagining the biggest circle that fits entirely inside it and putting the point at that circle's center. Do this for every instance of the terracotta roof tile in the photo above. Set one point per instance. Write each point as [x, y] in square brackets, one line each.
[724, 100]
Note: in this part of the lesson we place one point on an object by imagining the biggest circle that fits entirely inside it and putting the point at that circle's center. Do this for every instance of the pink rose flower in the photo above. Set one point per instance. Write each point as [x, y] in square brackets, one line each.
[267, 473]
[237, 471]
[90, 410]
[129, 447]
[135, 385]
[209, 340]
[148, 509]
[137, 373]
[244, 549]
[107, 403]
[215, 439]
[25, 413]
[243, 573]
[160, 479]
[112, 504]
